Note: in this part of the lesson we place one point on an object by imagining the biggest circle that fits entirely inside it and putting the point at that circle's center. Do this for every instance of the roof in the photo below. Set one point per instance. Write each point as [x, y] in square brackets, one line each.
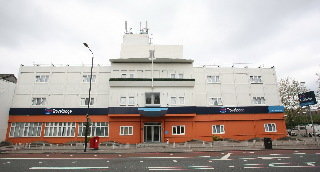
[148, 60]
[8, 77]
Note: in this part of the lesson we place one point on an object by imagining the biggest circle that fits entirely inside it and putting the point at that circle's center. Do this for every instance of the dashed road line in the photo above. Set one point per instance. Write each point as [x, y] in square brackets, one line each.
[66, 168]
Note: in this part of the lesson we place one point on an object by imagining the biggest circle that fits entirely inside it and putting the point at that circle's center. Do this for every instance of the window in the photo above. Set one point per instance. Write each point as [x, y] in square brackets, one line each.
[218, 129]
[173, 75]
[131, 75]
[215, 101]
[123, 75]
[131, 101]
[59, 129]
[123, 101]
[181, 100]
[178, 130]
[86, 78]
[152, 98]
[255, 79]
[25, 129]
[39, 101]
[126, 130]
[180, 75]
[270, 127]
[173, 100]
[95, 129]
[85, 101]
[258, 100]
[213, 79]
[42, 78]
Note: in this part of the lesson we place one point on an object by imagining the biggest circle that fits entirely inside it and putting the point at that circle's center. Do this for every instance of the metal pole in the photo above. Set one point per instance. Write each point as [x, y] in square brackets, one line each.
[89, 100]
[313, 130]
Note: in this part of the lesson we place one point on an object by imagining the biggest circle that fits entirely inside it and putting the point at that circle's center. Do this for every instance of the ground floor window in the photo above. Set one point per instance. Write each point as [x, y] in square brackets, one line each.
[60, 129]
[25, 129]
[126, 130]
[95, 129]
[270, 127]
[178, 130]
[218, 129]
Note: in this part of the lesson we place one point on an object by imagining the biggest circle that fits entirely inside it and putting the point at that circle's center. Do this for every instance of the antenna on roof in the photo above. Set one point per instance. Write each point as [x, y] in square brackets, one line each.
[126, 27]
[141, 31]
[147, 27]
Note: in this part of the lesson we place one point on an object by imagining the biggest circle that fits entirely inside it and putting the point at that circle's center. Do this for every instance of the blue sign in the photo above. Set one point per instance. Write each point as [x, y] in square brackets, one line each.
[275, 109]
[307, 98]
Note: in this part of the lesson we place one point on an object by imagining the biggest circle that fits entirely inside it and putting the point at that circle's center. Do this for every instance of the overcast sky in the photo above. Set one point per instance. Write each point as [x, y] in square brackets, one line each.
[280, 33]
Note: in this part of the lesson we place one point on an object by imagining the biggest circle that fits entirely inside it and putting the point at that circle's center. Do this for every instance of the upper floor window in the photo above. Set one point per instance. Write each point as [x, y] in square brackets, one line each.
[178, 130]
[215, 101]
[85, 101]
[131, 75]
[258, 100]
[42, 78]
[177, 100]
[123, 101]
[180, 75]
[152, 98]
[123, 75]
[218, 129]
[213, 79]
[255, 79]
[39, 101]
[131, 101]
[270, 127]
[86, 78]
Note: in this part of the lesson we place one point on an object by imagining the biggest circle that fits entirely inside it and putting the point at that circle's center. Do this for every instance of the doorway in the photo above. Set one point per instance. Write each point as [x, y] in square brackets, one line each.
[152, 132]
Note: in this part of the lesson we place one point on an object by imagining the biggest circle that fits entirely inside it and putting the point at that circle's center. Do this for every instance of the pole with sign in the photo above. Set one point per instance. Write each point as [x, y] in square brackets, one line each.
[307, 99]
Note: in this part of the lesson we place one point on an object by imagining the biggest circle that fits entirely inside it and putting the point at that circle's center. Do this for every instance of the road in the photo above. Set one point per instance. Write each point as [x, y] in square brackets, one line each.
[268, 160]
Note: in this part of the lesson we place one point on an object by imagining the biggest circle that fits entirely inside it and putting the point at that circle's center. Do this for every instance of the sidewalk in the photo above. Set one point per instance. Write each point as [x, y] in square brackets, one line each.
[194, 146]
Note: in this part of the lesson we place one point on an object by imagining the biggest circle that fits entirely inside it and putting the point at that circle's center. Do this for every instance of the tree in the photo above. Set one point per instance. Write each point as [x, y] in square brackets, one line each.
[289, 90]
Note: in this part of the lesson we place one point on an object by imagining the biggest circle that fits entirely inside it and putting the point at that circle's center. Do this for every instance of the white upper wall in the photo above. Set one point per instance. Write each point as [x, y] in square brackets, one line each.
[138, 46]
[6, 94]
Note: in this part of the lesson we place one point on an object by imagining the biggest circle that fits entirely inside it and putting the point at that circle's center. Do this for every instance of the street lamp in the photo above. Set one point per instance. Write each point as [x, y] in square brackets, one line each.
[87, 115]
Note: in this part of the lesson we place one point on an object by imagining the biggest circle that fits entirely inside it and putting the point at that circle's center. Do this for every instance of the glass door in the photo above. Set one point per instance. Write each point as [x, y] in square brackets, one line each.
[152, 132]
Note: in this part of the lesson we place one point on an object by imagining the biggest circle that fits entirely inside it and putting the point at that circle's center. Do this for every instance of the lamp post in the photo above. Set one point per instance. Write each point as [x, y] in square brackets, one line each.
[89, 100]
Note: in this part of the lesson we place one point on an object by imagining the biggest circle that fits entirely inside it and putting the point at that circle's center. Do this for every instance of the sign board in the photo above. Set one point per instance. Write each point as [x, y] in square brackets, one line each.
[307, 98]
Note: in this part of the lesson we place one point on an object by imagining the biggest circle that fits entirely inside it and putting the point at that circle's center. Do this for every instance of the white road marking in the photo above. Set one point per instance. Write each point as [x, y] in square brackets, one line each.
[204, 156]
[285, 165]
[204, 168]
[95, 155]
[318, 153]
[209, 161]
[71, 155]
[253, 167]
[231, 166]
[225, 157]
[47, 155]
[301, 156]
[251, 152]
[174, 160]
[40, 162]
[275, 154]
[65, 168]
[141, 161]
[171, 154]
[119, 155]
[273, 157]
[8, 162]
[74, 162]
[247, 158]
[311, 163]
[296, 151]
[299, 153]
[253, 164]
[108, 161]
[199, 166]
[163, 167]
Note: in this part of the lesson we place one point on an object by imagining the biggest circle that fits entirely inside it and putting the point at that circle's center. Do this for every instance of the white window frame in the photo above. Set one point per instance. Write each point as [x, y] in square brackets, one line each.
[42, 78]
[86, 78]
[181, 102]
[215, 129]
[270, 127]
[180, 75]
[172, 75]
[212, 101]
[176, 127]
[123, 129]
[173, 100]
[35, 101]
[93, 129]
[258, 100]
[59, 129]
[256, 79]
[131, 103]
[25, 129]
[83, 101]
[131, 75]
[123, 101]
[212, 79]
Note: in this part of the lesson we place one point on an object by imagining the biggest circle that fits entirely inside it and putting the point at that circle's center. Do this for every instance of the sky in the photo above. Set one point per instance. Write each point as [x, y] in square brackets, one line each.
[280, 33]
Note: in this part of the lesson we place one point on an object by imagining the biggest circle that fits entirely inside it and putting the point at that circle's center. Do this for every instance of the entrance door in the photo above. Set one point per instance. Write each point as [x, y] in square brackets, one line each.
[152, 132]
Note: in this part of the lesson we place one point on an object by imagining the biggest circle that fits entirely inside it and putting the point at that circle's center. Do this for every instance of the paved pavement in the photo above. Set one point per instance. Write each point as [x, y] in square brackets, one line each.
[193, 146]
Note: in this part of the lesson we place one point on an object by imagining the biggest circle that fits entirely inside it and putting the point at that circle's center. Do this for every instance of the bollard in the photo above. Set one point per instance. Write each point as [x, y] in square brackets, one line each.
[113, 146]
[174, 144]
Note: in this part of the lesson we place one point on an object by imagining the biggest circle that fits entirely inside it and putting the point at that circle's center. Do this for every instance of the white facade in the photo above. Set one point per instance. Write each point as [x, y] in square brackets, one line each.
[6, 94]
[128, 81]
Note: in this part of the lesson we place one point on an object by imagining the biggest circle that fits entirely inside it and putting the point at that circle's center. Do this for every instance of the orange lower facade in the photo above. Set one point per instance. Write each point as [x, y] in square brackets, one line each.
[167, 128]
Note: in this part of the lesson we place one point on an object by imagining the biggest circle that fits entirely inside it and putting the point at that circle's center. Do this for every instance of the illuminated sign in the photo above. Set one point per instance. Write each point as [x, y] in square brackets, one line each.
[49, 111]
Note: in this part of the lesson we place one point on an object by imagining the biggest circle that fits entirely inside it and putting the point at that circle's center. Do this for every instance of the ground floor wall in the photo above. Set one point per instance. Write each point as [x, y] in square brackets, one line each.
[133, 128]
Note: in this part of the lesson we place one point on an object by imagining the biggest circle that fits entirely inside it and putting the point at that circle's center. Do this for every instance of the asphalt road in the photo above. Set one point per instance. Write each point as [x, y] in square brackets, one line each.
[271, 160]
